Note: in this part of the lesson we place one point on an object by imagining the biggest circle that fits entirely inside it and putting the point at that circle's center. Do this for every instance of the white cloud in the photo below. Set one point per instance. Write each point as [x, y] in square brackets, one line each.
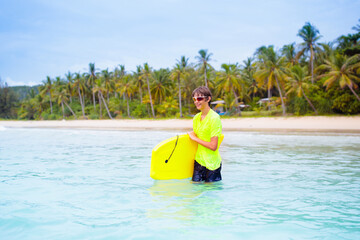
[13, 83]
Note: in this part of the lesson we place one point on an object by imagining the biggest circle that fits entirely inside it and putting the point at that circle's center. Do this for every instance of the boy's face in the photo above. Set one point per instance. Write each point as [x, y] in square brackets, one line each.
[201, 102]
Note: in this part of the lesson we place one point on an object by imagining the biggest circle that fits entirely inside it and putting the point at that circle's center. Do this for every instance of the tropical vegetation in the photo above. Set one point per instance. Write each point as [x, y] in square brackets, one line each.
[296, 79]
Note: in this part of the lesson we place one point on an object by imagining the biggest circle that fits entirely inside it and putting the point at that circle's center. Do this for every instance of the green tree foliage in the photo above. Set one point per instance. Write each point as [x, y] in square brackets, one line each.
[22, 92]
[8, 102]
[346, 103]
[281, 79]
[350, 44]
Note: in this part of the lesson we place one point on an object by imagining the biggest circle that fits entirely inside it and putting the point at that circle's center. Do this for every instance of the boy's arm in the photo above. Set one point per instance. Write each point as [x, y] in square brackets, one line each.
[212, 145]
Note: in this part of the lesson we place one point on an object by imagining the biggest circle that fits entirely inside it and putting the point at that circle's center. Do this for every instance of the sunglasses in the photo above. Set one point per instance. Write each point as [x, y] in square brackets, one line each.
[198, 99]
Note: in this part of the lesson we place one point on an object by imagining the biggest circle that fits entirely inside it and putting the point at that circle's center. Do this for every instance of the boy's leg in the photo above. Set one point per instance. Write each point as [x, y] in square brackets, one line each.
[199, 172]
[213, 175]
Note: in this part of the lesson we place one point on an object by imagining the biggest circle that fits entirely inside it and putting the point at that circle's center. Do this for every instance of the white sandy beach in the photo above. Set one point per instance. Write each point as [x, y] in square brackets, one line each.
[273, 124]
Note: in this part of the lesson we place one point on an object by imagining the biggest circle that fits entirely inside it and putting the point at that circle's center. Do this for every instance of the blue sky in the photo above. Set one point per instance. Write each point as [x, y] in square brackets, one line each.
[40, 38]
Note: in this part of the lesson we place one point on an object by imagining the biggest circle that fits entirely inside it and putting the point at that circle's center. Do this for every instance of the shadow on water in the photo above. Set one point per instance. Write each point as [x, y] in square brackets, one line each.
[186, 201]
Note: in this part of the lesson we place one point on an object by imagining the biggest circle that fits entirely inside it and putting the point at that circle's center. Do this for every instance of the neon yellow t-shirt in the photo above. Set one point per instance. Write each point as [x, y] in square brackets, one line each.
[205, 130]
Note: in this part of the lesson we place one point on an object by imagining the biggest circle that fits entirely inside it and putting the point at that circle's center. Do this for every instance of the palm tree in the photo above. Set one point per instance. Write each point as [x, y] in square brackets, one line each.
[247, 74]
[31, 94]
[38, 102]
[262, 54]
[122, 73]
[204, 59]
[161, 84]
[357, 27]
[229, 80]
[58, 85]
[191, 81]
[298, 83]
[349, 40]
[62, 99]
[341, 69]
[175, 75]
[91, 81]
[122, 70]
[139, 81]
[79, 84]
[290, 53]
[58, 82]
[349, 44]
[310, 35]
[178, 72]
[126, 88]
[271, 71]
[106, 76]
[69, 84]
[47, 88]
[326, 50]
[146, 73]
[32, 107]
[168, 106]
[99, 89]
[118, 75]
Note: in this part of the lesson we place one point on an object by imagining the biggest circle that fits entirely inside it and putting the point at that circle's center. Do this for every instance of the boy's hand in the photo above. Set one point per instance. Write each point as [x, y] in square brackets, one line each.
[192, 135]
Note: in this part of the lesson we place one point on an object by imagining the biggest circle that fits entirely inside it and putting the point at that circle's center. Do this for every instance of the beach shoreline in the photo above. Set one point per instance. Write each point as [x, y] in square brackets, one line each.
[337, 124]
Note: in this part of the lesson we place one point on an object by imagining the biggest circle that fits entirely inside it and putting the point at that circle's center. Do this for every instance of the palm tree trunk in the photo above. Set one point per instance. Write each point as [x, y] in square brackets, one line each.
[310, 103]
[70, 109]
[107, 109]
[352, 90]
[148, 110]
[236, 102]
[269, 96]
[128, 107]
[282, 100]
[100, 106]
[127, 104]
[82, 104]
[189, 103]
[62, 107]
[312, 63]
[180, 97]
[50, 103]
[152, 107]
[83, 100]
[205, 76]
[80, 98]
[94, 99]
[140, 95]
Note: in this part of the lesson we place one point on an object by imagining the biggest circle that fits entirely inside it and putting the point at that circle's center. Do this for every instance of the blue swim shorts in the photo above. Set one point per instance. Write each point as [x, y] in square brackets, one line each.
[201, 173]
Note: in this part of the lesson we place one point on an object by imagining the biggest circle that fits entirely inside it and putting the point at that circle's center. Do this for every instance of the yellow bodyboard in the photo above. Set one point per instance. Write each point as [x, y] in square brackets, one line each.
[174, 158]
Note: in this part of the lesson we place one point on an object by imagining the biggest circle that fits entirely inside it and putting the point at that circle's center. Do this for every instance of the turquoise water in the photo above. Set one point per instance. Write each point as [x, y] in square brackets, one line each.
[87, 184]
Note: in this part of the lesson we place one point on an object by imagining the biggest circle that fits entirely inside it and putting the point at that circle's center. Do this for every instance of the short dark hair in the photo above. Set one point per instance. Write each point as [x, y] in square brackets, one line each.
[204, 91]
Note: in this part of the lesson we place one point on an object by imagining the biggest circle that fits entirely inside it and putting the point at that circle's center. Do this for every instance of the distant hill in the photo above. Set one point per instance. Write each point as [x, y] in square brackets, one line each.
[22, 91]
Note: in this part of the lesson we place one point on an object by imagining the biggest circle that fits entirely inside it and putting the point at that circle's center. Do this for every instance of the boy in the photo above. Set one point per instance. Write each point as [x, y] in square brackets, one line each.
[207, 130]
